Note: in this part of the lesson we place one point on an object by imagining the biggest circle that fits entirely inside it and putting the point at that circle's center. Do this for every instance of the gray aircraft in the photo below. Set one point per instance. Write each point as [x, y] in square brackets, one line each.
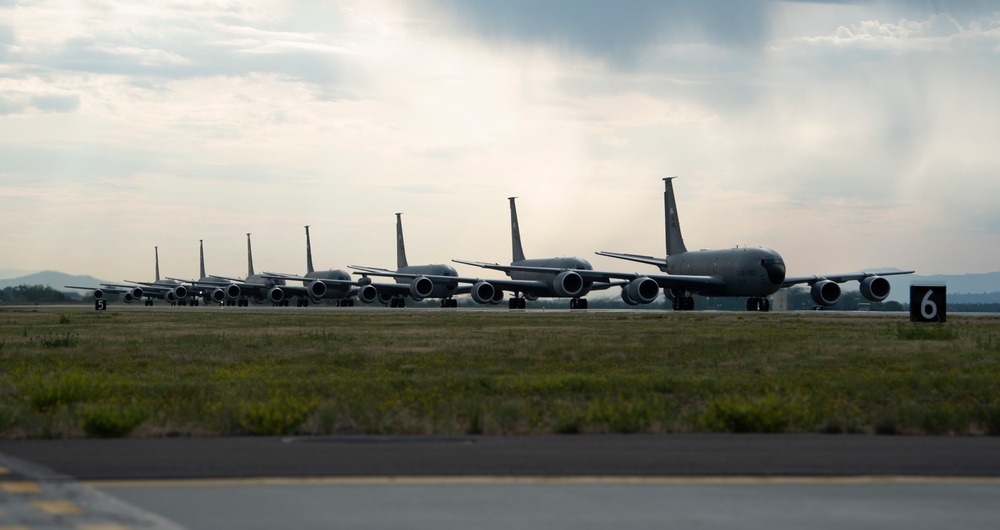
[127, 293]
[752, 272]
[422, 281]
[211, 289]
[172, 291]
[568, 277]
[332, 284]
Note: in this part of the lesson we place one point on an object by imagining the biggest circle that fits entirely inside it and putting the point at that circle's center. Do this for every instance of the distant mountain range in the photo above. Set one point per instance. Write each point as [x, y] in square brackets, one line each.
[986, 284]
[53, 279]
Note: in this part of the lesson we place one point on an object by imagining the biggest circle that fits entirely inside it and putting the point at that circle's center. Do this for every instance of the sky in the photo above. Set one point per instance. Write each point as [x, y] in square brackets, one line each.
[844, 135]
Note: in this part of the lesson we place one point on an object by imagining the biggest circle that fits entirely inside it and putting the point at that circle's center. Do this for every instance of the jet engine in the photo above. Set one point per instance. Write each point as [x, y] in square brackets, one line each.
[384, 297]
[275, 295]
[875, 288]
[483, 292]
[127, 297]
[170, 297]
[421, 287]
[497, 296]
[531, 297]
[232, 291]
[136, 293]
[641, 290]
[180, 292]
[825, 293]
[367, 294]
[217, 295]
[317, 289]
[98, 294]
[567, 284]
[626, 298]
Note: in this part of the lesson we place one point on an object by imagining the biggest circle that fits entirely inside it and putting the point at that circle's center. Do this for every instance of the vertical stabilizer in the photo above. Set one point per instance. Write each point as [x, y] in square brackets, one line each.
[400, 248]
[249, 258]
[156, 250]
[675, 242]
[309, 253]
[201, 248]
[515, 233]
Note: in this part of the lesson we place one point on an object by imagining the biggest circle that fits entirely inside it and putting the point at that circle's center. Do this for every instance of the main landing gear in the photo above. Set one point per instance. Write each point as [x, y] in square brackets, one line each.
[683, 303]
[758, 303]
[449, 302]
[578, 303]
[516, 302]
[345, 303]
[397, 302]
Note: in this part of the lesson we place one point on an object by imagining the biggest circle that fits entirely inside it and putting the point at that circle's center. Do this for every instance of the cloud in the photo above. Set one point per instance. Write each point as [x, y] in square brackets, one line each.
[618, 33]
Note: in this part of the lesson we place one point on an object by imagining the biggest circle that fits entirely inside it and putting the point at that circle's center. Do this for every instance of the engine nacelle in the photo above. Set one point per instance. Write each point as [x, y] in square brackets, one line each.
[531, 297]
[216, 295]
[421, 287]
[275, 295]
[367, 294]
[170, 297]
[384, 297]
[136, 293]
[316, 289]
[825, 293]
[483, 292]
[127, 297]
[232, 291]
[180, 292]
[875, 288]
[567, 284]
[642, 290]
[497, 297]
[626, 298]
[98, 294]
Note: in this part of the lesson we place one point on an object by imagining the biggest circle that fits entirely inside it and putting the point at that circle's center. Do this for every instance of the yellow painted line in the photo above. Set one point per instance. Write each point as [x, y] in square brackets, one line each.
[58, 507]
[598, 480]
[20, 487]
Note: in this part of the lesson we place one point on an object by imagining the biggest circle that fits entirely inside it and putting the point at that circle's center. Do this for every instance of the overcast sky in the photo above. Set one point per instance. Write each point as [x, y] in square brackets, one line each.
[843, 135]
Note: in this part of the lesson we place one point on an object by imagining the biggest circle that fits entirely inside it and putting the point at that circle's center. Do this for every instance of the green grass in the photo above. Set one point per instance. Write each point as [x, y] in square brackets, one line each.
[211, 371]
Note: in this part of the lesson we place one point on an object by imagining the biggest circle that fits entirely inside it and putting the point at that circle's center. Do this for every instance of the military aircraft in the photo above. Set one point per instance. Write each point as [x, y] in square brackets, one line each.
[568, 277]
[128, 293]
[172, 291]
[752, 272]
[211, 289]
[333, 284]
[422, 281]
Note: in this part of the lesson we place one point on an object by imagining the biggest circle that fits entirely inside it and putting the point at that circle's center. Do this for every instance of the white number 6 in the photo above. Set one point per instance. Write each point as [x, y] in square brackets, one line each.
[928, 309]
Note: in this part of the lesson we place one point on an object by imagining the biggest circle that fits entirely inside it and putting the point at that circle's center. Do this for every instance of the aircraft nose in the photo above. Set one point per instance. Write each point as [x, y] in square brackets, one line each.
[775, 272]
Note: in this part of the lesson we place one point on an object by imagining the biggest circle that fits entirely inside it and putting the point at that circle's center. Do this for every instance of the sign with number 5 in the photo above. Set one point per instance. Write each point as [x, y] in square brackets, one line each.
[927, 303]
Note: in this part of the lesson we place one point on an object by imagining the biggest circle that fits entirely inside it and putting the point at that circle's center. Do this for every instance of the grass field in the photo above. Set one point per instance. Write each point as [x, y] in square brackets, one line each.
[211, 371]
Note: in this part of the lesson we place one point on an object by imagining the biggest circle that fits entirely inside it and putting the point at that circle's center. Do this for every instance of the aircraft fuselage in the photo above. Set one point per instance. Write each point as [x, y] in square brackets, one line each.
[747, 271]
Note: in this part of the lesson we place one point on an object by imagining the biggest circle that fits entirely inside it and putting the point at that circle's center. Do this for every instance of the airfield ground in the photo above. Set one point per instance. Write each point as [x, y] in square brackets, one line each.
[152, 372]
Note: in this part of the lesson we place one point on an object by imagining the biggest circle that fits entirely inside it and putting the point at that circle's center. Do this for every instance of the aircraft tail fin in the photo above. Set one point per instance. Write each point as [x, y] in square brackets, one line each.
[400, 248]
[156, 250]
[675, 242]
[249, 258]
[309, 252]
[201, 249]
[515, 233]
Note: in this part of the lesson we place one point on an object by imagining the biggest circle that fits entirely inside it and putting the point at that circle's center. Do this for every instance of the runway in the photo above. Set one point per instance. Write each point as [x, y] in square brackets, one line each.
[621, 481]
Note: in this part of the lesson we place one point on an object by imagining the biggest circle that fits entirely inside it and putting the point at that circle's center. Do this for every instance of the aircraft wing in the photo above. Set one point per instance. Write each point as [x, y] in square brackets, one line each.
[436, 278]
[208, 283]
[839, 278]
[649, 260]
[294, 278]
[103, 287]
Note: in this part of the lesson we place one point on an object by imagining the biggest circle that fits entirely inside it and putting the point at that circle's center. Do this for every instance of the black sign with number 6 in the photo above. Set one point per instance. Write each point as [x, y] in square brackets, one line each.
[927, 303]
